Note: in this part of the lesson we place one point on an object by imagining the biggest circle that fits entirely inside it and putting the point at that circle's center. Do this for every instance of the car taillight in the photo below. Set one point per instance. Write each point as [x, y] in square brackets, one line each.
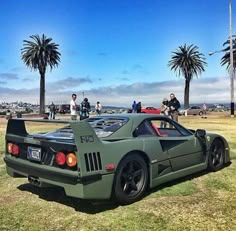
[71, 160]
[15, 150]
[60, 158]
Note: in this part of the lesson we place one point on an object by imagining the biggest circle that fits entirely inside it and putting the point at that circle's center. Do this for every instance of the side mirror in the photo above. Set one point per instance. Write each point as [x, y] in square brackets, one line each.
[200, 133]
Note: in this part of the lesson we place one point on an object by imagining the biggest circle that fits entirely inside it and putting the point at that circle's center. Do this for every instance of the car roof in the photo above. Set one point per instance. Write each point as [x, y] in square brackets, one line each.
[134, 119]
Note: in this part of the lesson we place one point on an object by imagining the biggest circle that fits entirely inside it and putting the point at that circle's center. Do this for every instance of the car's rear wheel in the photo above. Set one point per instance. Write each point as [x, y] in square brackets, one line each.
[131, 179]
[200, 113]
[216, 157]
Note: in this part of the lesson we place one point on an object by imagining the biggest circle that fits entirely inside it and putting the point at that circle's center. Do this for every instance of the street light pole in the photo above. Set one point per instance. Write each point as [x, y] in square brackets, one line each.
[231, 61]
[212, 53]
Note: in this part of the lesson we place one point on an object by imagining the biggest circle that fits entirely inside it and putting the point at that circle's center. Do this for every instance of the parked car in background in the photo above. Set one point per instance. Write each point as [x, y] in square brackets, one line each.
[194, 110]
[64, 109]
[150, 110]
[221, 107]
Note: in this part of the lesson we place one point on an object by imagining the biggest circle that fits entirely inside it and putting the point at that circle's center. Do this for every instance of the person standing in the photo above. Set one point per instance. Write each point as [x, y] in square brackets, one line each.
[98, 108]
[84, 109]
[164, 111]
[8, 115]
[139, 107]
[73, 111]
[134, 107]
[174, 106]
[52, 111]
[204, 111]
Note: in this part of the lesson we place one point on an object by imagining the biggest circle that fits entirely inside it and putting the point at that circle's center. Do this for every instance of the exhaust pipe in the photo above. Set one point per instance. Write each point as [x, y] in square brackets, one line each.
[34, 181]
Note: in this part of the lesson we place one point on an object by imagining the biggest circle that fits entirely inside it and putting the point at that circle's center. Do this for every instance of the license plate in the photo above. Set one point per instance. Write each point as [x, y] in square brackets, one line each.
[34, 154]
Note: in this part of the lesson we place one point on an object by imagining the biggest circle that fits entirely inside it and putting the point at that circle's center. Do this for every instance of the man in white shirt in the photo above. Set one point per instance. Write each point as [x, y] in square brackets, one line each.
[98, 108]
[73, 111]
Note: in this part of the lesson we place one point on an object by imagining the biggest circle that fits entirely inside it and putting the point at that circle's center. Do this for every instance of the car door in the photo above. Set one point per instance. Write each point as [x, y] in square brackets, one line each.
[185, 151]
[183, 147]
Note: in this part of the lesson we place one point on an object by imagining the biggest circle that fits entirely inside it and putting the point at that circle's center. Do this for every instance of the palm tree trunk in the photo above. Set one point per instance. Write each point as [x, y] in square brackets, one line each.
[186, 93]
[42, 94]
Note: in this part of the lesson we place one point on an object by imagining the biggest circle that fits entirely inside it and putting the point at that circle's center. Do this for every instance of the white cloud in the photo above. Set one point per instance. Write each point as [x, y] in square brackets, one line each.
[68, 83]
[209, 90]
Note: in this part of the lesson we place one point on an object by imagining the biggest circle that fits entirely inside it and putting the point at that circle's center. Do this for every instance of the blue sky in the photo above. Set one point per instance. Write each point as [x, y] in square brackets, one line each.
[115, 51]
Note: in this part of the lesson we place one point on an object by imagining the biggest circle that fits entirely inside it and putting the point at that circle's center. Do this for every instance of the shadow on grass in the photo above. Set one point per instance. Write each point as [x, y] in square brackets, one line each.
[181, 180]
[57, 194]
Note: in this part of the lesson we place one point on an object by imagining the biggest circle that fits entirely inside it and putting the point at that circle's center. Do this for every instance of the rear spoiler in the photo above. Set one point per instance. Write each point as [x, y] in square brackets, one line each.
[83, 132]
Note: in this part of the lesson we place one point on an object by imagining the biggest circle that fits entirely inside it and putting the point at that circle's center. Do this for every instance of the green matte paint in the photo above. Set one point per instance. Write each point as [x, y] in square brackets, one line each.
[167, 158]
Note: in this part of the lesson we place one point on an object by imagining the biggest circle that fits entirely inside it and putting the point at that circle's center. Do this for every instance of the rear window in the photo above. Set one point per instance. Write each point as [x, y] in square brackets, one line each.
[105, 126]
[195, 107]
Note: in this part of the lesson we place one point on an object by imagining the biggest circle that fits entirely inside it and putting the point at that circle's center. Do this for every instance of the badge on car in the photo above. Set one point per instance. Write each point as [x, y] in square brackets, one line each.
[34, 153]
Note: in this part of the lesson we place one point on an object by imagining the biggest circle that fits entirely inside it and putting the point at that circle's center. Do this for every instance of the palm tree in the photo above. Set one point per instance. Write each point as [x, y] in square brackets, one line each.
[225, 60]
[188, 62]
[38, 55]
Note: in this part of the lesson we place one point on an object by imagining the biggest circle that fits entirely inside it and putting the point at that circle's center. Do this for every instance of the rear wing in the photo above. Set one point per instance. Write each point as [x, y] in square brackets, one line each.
[87, 143]
[82, 131]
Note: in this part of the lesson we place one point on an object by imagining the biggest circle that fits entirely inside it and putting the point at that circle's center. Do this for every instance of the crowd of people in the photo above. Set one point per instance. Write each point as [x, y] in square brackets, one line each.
[169, 108]
[84, 108]
[136, 107]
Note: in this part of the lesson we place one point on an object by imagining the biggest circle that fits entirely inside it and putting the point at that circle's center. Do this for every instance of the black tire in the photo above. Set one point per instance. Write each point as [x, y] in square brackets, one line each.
[200, 113]
[216, 157]
[131, 179]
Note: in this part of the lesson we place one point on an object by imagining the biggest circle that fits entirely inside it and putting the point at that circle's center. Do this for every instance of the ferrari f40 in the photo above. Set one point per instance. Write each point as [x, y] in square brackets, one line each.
[119, 156]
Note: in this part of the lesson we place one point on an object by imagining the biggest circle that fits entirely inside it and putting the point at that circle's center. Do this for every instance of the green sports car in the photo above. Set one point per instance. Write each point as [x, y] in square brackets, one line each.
[106, 156]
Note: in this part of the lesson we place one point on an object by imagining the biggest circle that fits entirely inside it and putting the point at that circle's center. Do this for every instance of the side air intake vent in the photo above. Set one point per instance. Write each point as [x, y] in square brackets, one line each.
[93, 161]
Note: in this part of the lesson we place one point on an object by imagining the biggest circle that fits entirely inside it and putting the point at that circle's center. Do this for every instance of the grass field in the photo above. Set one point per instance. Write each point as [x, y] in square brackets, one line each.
[203, 202]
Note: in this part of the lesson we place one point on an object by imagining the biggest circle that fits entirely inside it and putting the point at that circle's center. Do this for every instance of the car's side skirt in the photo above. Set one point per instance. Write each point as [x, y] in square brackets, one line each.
[178, 174]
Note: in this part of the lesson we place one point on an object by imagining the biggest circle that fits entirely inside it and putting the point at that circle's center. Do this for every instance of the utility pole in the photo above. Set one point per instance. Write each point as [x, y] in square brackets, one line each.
[231, 60]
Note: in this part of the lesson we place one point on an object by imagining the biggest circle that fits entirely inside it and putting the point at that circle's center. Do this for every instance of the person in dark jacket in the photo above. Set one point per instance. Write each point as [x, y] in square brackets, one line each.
[52, 111]
[174, 106]
[84, 109]
[139, 107]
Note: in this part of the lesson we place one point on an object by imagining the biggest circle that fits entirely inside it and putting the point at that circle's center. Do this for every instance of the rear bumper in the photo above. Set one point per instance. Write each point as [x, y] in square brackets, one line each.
[27, 170]
[96, 186]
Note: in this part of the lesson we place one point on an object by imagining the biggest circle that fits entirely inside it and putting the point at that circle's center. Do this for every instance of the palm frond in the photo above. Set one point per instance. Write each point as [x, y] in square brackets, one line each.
[225, 60]
[187, 61]
[40, 53]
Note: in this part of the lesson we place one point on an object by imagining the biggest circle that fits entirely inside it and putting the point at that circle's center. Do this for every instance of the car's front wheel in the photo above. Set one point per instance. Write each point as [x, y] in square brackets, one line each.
[131, 179]
[216, 157]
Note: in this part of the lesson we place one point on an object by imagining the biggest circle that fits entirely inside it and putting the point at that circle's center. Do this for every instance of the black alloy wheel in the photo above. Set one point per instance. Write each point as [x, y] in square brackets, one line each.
[216, 155]
[131, 179]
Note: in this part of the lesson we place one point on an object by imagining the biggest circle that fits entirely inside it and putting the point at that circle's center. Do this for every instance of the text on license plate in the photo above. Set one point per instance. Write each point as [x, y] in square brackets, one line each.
[34, 153]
